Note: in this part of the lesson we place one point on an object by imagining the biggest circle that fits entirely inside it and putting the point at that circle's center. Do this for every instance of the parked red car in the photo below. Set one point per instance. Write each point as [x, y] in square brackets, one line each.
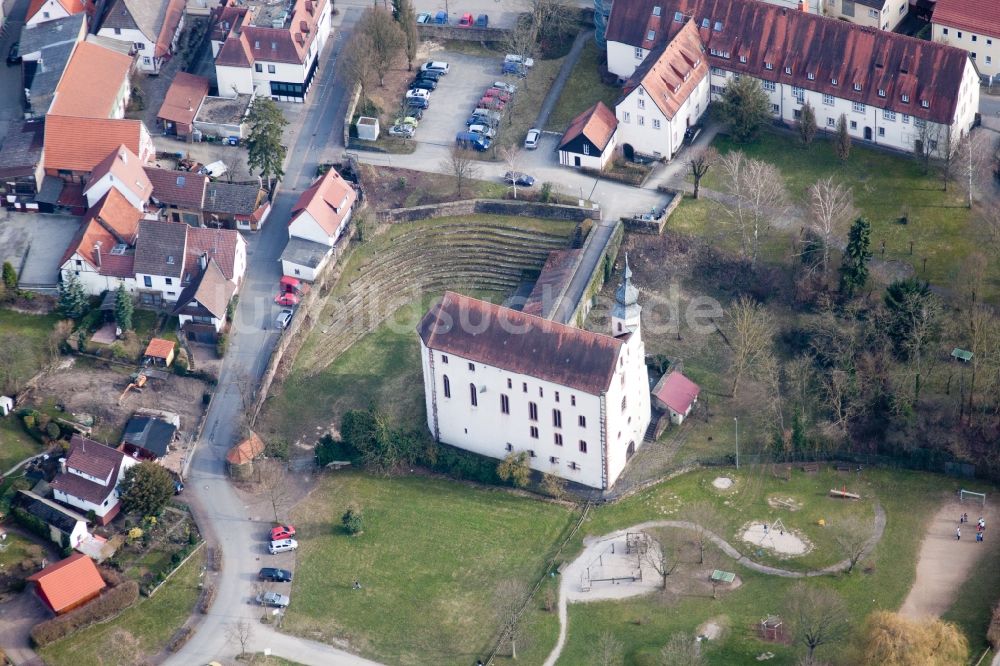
[286, 300]
[496, 103]
[496, 92]
[466, 21]
[282, 532]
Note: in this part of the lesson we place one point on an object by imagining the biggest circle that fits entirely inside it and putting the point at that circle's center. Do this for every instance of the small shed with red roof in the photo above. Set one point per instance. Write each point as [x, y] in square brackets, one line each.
[677, 395]
[160, 352]
[239, 459]
[68, 584]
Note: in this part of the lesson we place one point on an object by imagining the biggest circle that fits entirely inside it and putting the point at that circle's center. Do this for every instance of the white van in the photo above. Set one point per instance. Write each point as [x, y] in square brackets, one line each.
[215, 169]
[282, 546]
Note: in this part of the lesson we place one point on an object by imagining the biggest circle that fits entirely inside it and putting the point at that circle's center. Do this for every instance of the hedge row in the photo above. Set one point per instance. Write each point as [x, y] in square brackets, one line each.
[107, 605]
[207, 597]
[182, 636]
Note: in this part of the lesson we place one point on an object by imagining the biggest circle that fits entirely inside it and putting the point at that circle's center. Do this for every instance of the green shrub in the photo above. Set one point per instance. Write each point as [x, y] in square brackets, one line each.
[53, 430]
[546, 192]
[221, 344]
[179, 639]
[353, 520]
[110, 603]
[31, 523]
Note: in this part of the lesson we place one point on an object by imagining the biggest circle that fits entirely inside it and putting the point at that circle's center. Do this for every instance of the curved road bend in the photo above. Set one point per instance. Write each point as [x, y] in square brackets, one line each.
[222, 517]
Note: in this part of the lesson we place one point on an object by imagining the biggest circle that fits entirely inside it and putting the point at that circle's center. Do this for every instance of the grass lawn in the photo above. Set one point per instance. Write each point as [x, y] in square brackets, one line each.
[28, 334]
[152, 621]
[15, 443]
[583, 89]
[645, 624]
[885, 185]
[431, 555]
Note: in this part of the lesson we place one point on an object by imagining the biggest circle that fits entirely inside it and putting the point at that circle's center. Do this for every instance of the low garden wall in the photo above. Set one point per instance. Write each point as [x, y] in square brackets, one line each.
[655, 225]
[489, 207]
[440, 33]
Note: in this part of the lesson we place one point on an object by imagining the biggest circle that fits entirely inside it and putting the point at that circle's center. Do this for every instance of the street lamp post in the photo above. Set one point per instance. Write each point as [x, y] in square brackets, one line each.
[736, 420]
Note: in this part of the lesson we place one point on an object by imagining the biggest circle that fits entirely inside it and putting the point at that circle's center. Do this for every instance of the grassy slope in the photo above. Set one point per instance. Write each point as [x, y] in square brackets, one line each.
[431, 554]
[645, 624]
[153, 621]
[583, 89]
[884, 185]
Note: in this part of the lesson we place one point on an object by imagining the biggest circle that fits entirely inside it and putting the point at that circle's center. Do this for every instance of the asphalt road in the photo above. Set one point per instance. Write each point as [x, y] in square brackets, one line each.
[222, 516]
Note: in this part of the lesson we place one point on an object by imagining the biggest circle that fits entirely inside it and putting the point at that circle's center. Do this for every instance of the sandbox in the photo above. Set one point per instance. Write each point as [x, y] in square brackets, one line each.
[780, 540]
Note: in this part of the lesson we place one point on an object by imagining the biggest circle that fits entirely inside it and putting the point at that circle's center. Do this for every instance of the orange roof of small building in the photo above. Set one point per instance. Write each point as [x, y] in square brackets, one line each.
[183, 98]
[67, 583]
[980, 16]
[91, 83]
[597, 124]
[124, 165]
[246, 451]
[159, 348]
[80, 144]
[72, 7]
[328, 200]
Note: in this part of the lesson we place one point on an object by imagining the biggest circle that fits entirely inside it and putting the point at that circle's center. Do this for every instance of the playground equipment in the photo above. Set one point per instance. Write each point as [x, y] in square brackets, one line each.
[964, 494]
[771, 628]
[636, 543]
[843, 494]
[136, 381]
[615, 568]
[774, 526]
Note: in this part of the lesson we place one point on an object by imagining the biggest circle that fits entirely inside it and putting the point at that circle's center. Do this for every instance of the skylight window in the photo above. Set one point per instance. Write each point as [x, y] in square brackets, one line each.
[679, 17]
[705, 23]
[924, 103]
[656, 10]
[650, 35]
[718, 26]
[857, 86]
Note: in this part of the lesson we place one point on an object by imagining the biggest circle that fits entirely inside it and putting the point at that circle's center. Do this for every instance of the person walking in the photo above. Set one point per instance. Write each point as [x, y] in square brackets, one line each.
[357, 585]
[958, 534]
[979, 537]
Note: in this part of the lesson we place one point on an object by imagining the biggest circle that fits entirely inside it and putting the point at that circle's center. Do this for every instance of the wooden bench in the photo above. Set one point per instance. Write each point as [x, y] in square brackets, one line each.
[810, 468]
[844, 467]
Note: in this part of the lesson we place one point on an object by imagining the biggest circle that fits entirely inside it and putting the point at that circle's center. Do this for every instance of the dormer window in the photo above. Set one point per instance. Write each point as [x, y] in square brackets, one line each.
[768, 65]
[717, 27]
[656, 10]
[906, 99]
[650, 35]
[256, 44]
[274, 46]
[743, 58]
[811, 76]
[788, 70]
[881, 92]
[857, 86]
[705, 23]
[924, 103]
[678, 17]
[833, 81]
[170, 260]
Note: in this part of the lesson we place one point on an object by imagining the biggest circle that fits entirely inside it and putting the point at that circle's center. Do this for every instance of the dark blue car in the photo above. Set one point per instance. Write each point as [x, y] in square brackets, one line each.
[515, 68]
[441, 18]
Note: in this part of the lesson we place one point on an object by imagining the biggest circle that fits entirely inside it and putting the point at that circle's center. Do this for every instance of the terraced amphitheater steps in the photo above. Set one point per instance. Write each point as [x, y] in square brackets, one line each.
[422, 259]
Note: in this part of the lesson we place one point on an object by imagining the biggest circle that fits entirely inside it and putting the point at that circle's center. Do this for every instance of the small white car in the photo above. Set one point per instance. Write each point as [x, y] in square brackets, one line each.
[435, 65]
[413, 93]
[506, 87]
[519, 60]
[405, 131]
[485, 130]
[531, 141]
[282, 546]
[214, 170]
[283, 319]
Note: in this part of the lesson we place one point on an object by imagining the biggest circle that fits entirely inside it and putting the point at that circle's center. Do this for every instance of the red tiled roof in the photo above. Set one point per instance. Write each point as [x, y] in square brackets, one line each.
[979, 16]
[597, 124]
[218, 244]
[503, 338]
[249, 449]
[235, 52]
[555, 276]
[678, 392]
[290, 45]
[80, 144]
[186, 92]
[171, 20]
[828, 49]
[69, 583]
[72, 7]
[178, 188]
[159, 348]
[328, 201]
[91, 82]
[671, 73]
[124, 165]
[111, 221]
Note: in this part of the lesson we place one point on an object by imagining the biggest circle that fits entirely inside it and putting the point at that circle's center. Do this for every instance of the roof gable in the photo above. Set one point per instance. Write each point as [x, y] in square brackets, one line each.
[124, 166]
[69, 582]
[94, 459]
[149, 433]
[80, 144]
[328, 201]
[112, 221]
[217, 244]
[71, 7]
[157, 20]
[160, 248]
[677, 392]
[186, 92]
[209, 291]
[670, 73]
[177, 188]
[92, 81]
[518, 342]
[597, 124]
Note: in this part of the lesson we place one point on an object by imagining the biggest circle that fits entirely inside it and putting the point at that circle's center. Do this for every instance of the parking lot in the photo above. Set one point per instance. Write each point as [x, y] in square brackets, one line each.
[37, 241]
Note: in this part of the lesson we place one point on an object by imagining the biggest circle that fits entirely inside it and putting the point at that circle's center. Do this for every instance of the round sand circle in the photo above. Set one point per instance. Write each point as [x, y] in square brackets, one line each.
[723, 482]
[780, 541]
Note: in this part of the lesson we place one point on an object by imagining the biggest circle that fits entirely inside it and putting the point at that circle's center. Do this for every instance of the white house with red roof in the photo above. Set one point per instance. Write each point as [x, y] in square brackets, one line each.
[319, 219]
[89, 478]
[973, 25]
[40, 11]
[271, 49]
[676, 394]
[102, 253]
[151, 26]
[590, 142]
[500, 381]
[123, 171]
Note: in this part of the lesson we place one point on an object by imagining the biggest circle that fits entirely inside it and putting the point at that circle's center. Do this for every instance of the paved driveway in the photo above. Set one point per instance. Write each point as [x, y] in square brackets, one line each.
[37, 241]
[456, 96]
[17, 616]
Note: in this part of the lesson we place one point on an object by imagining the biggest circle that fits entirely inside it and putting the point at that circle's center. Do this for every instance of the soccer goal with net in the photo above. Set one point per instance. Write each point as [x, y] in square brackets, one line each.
[971, 496]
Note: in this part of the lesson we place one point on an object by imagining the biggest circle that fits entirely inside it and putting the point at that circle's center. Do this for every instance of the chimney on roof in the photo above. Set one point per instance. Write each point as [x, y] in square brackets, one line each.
[189, 105]
[804, 6]
[310, 8]
[203, 260]
[97, 253]
[62, 465]
[299, 38]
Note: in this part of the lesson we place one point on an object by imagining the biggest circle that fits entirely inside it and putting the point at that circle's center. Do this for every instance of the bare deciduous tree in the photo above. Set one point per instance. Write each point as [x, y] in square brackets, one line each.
[463, 166]
[272, 477]
[681, 650]
[893, 640]
[926, 143]
[703, 517]
[407, 18]
[841, 391]
[386, 37]
[818, 616]
[357, 64]
[509, 600]
[239, 633]
[610, 650]
[699, 165]
[852, 535]
[984, 343]
[925, 313]
[756, 198]
[235, 165]
[661, 553]
[511, 156]
[751, 336]
[831, 206]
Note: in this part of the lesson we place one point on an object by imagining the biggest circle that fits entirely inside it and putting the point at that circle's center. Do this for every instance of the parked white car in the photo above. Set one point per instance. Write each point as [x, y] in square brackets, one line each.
[520, 60]
[506, 87]
[405, 131]
[414, 93]
[485, 130]
[435, 65]
[531, 141]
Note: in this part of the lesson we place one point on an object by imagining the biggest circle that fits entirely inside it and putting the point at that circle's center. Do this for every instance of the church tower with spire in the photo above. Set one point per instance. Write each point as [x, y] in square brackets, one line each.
[626, 312]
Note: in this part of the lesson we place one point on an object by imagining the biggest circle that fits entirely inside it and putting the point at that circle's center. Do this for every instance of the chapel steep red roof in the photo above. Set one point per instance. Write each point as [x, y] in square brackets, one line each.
[482, 332]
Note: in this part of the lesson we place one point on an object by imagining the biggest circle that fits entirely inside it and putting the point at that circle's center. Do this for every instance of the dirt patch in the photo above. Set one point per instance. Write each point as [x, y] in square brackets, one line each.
[784, 502]
[779, 540]
[712, 629]
[95, 389]
[723, 483]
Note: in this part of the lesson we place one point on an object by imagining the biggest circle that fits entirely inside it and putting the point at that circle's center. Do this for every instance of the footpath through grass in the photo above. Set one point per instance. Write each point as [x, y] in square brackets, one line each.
[430, 559]
[886, 187]
[152, 621]
[882, 581]
[583, 89]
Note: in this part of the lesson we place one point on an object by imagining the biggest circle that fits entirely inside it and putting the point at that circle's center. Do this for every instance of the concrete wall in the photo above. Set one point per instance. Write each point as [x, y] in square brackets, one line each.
[442, 32]
[654, 226]
[488, 207]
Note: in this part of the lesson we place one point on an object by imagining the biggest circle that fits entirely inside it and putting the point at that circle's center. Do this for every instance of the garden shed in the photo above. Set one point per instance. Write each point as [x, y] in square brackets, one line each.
[239, 459]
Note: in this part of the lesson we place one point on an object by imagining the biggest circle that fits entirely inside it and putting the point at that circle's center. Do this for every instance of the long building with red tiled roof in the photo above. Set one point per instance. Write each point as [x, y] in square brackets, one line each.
[270, 48]
[894, 90]
[973, 25]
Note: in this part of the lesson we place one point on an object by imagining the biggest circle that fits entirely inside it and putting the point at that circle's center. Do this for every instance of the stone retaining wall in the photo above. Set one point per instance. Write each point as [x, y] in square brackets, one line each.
[489, 207]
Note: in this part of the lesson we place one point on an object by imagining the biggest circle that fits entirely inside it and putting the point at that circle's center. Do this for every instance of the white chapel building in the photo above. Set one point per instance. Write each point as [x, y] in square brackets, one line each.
[498, 380]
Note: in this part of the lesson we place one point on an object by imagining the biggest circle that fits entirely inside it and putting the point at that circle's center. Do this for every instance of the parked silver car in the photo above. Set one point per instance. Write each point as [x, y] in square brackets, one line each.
[273, 599]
